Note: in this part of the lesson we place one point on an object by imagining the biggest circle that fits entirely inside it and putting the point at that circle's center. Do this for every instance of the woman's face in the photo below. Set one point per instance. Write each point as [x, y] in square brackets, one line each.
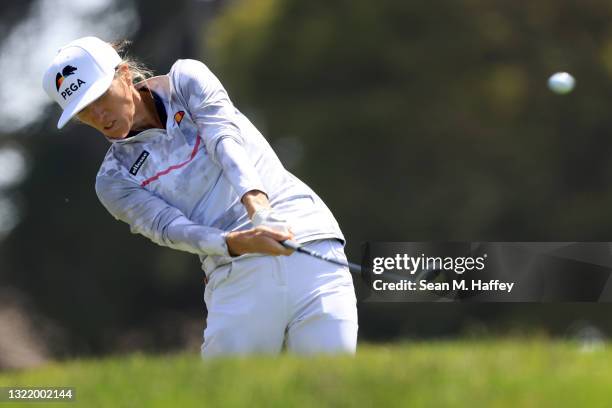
[113, 112]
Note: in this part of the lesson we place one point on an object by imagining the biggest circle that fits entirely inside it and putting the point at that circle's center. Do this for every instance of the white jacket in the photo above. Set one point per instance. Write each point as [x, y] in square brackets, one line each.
[181, 186]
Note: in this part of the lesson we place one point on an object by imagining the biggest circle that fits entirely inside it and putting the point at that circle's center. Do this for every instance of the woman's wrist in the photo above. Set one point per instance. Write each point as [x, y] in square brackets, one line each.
[254, 201]
[230, 240]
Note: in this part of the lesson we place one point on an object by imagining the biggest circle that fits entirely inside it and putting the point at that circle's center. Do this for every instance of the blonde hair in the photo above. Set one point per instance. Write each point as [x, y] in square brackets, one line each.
[139, 71]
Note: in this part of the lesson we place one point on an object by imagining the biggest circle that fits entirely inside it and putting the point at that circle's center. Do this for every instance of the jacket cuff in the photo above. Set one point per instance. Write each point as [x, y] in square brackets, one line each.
[215, 244]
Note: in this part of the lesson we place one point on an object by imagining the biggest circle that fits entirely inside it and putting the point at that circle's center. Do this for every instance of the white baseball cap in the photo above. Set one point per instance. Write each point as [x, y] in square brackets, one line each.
[79, 74]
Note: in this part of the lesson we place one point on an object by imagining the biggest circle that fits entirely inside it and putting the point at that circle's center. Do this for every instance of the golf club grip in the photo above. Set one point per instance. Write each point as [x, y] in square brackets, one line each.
[297, 247]
[290, 244]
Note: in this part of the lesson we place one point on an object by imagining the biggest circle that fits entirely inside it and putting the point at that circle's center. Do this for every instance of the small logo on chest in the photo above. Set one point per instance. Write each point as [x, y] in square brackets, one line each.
[139, 162]
[178, 117]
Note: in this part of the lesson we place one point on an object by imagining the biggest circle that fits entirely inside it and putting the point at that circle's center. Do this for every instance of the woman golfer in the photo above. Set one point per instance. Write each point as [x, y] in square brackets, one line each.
[187, 170]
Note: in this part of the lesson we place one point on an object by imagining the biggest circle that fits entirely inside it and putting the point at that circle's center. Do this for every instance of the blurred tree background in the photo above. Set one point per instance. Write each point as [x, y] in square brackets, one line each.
[414, 121]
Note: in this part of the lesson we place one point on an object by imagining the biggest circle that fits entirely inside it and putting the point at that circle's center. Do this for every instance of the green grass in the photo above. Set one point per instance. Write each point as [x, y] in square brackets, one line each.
[508, 373]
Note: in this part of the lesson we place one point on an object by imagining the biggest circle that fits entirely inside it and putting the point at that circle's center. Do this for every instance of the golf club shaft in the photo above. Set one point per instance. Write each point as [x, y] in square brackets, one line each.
[426, 274]
[297, 247]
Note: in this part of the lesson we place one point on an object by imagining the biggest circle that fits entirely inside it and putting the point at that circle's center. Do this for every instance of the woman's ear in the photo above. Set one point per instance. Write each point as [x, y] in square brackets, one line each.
[125, 73]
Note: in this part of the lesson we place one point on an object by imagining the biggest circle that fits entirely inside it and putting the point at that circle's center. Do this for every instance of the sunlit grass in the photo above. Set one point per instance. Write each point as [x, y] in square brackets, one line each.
[512, 373]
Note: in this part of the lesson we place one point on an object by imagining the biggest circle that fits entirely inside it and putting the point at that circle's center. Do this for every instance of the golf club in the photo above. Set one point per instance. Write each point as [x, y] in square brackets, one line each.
[353, 267]
[426, 274]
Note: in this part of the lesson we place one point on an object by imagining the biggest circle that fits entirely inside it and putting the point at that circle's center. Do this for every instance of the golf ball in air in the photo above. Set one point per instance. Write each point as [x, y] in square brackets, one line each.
[561, 83]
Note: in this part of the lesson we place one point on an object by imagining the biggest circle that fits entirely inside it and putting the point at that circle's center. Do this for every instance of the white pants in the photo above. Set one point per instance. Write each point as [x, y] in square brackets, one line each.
[257, 304]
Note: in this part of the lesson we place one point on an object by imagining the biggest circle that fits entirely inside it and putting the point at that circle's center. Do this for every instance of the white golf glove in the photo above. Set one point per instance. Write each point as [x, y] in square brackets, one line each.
[267, 217]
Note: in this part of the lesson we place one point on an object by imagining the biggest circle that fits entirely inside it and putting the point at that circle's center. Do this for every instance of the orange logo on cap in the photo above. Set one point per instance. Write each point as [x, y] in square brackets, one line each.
[59, 78]
[178, 116]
